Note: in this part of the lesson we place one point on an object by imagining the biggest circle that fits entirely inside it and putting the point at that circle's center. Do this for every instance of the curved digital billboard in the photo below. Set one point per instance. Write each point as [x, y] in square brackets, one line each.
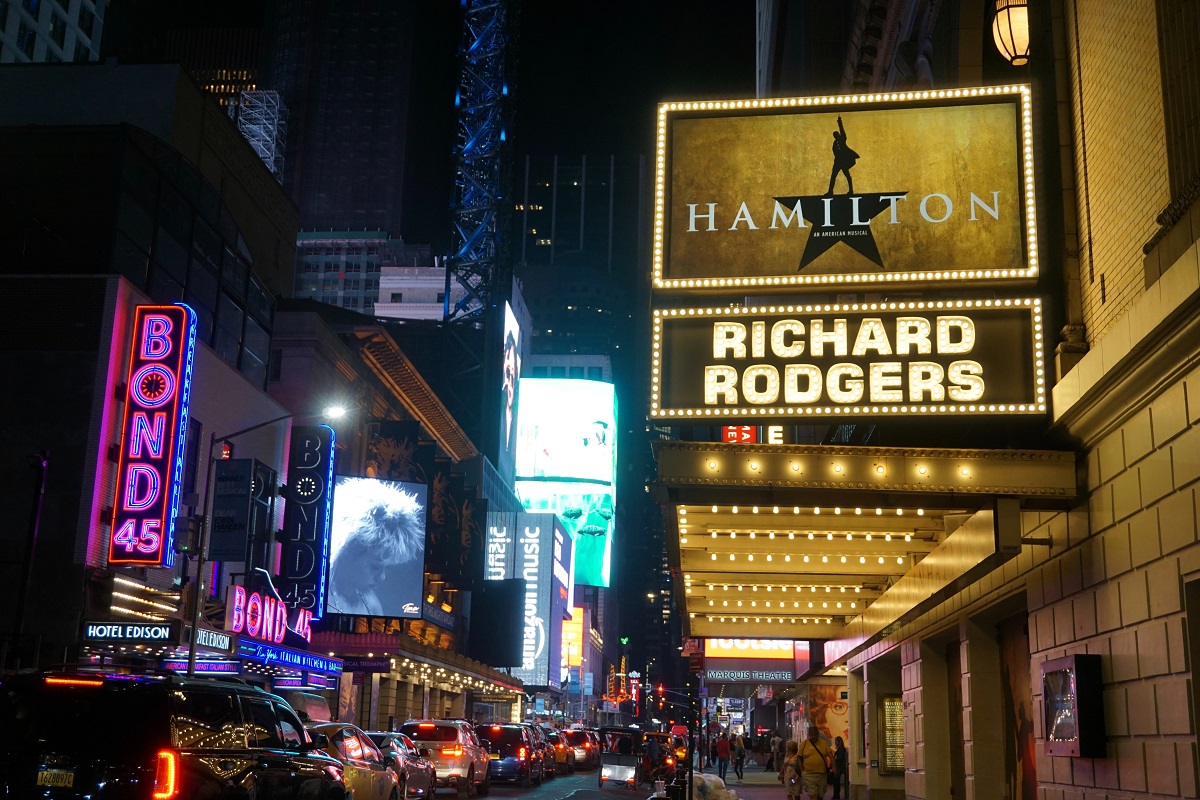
[566, 464]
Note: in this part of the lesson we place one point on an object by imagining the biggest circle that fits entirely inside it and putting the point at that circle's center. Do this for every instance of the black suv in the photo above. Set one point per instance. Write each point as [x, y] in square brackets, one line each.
[110, 737]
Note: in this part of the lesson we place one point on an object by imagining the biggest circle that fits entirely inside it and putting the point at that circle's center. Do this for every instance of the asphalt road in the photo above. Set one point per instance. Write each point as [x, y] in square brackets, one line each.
[580, 786]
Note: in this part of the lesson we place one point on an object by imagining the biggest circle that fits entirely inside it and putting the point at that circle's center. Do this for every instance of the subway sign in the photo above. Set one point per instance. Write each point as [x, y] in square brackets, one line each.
[938, 358]
[154, 431]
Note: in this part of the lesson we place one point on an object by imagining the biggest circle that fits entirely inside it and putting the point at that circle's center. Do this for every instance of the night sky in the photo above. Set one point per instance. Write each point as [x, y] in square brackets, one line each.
[591, 74]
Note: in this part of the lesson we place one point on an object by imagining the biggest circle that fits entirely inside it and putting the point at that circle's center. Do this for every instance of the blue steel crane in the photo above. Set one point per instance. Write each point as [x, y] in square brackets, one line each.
[479, 259]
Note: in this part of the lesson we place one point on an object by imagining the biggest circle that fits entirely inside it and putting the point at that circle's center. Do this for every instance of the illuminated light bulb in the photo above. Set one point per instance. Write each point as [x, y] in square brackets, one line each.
[887, 537]
[899, 512]
[862, 559]
[734, 509]
[714, 509]
[920, 512]
[733, 534]
[791, 534]
[783, 588]
[754, 465]
[683, 540]
[775, 510]
[754, 603]
[854, 605]
[755, 509]
[843, 559]
[806, 559]
[739, 588]
[739, 603]
[771, 535]
[714, 556]
[796, 510]
[810, 536]
[879, 512]
[837, 467]
[810, 605]
[725, 603]
[879, 469]
[768, 557]
[908, 537]
[710, 602]
[881, 559]
[857, 589]
[837, 509]
[795, 605]
[839, 605]
[731, 557]
[849, 537]
[868, 537]
[795, 467]
[858, 511]
[899, 559]
[817, 510]
[966, 471]
[751, 534]
[824, 605]
[921, 470]
[812, 589]
[828, 590]
[712, 465]
[824, 559]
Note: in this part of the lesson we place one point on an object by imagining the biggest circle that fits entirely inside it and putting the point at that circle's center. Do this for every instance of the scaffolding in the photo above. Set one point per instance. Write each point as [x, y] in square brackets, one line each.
[261, 117]
[478, 259]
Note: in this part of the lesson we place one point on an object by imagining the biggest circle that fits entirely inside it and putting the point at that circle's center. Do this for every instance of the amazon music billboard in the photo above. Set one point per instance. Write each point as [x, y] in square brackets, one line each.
[898, 189]
[939, 358]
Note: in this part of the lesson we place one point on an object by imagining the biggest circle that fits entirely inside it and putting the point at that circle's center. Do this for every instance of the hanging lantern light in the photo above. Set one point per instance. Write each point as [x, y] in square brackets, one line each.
[1010, 29]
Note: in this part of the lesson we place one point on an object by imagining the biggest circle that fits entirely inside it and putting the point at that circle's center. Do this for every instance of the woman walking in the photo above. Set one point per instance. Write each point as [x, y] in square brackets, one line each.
[840, 767]
[789, 772]
[739, 756]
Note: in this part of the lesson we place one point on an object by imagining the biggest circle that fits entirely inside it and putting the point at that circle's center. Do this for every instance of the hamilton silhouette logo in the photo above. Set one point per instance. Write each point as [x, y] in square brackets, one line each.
[844, 217]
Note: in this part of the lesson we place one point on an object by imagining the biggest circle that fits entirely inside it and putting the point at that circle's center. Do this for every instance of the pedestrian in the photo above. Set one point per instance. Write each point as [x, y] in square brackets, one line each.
[712, 751]
[739, 757]
[773, 747]
[840, 767]
[816, 761]
[722, 755]
[789, 773]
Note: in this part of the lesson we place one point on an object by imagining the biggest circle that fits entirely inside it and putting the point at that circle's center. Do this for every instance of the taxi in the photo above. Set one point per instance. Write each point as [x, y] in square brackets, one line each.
[367, 776]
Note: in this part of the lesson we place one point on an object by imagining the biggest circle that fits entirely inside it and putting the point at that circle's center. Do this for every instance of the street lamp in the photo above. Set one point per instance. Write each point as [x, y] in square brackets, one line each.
[1010, 30]
[330, 412]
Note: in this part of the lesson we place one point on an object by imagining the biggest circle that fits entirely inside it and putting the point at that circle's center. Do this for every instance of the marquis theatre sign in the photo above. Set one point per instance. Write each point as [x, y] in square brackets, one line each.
[938, 358]
[898, 189]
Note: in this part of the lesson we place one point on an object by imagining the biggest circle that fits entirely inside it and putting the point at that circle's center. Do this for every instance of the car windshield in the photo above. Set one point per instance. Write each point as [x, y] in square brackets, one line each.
[429, 732]
[381, 739]
[577, 737]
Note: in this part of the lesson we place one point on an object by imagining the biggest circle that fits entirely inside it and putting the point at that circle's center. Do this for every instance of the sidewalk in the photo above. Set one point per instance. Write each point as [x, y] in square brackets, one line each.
[757, 784]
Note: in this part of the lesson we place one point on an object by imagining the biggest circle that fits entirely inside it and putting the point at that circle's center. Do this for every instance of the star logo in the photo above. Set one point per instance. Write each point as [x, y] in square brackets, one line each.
[841, 218]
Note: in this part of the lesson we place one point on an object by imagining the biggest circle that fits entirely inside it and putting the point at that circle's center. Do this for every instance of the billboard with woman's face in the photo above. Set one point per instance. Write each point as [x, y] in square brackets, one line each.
[377, 548]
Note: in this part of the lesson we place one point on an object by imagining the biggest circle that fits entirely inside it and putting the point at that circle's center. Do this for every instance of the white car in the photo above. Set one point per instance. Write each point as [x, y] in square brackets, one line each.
[459, 761]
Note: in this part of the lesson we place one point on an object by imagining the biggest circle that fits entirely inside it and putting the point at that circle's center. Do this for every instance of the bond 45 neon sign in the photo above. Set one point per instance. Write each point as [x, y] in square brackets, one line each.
[153, 435]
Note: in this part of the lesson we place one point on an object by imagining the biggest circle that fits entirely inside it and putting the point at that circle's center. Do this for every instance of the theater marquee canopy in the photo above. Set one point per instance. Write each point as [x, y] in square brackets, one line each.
[895, 189]
[940, 358]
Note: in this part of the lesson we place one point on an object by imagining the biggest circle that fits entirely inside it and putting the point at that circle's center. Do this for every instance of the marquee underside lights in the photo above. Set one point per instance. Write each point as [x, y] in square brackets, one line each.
[744, 196]
[940, 358]
[154, 432]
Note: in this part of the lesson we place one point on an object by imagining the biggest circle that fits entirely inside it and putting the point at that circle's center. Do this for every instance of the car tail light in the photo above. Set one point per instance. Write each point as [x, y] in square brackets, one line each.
[426, 725]
[560, 747]
[587, 745]
[452, 751]
[670, 761]
[521, 754]
[73, 682]
[166, 775]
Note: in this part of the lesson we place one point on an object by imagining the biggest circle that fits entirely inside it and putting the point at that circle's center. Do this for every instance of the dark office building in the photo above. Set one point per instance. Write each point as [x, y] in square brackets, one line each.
[370, 88]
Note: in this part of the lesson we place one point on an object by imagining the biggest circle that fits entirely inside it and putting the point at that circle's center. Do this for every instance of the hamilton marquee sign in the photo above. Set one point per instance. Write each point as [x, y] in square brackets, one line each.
[938, 358]
[906, 188]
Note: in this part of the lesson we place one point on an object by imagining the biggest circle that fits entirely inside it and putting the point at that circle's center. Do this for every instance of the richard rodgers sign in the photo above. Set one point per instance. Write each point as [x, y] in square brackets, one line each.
[934, 358]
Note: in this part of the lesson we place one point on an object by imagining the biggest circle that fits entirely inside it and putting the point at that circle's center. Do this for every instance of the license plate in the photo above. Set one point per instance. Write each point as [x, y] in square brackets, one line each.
[495, 756]
[55, 777]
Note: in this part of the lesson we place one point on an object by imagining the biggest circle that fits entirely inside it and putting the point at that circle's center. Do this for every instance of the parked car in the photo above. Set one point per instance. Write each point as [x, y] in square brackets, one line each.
[366, 773]
[587, 754]
[564, 754]
[515, 755]
[163, 736]
[458, 759]
[416, 772]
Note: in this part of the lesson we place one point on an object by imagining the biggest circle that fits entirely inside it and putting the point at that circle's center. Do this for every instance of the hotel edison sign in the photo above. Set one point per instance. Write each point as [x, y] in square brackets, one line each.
[902, 189]
[953, 357]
